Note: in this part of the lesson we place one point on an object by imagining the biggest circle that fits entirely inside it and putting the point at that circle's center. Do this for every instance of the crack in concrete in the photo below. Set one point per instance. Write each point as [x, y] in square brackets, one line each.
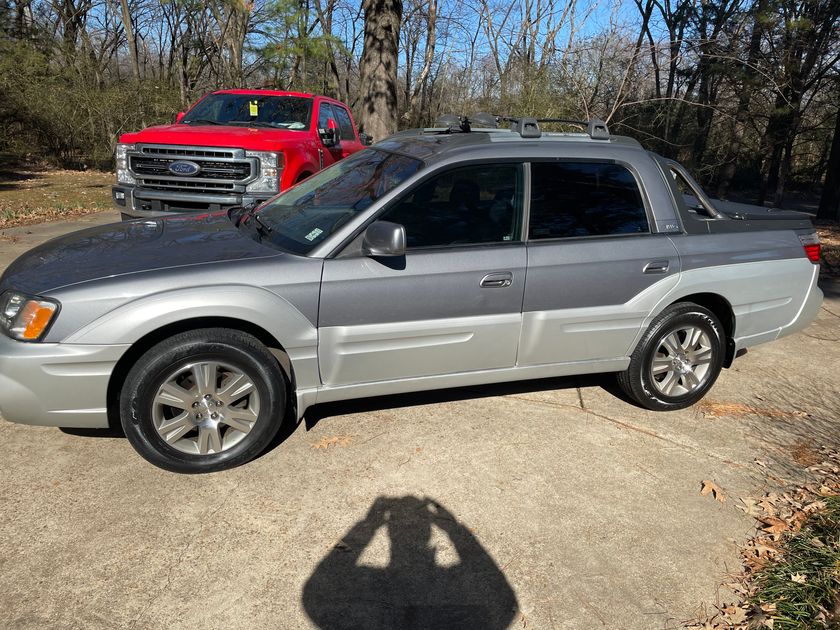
[181, 556]
[829, 311]
[817, 337]
[642, 430]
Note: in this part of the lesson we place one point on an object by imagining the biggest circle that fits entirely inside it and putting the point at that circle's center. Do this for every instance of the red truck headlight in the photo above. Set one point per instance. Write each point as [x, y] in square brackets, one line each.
[270, 169]
[121, 158]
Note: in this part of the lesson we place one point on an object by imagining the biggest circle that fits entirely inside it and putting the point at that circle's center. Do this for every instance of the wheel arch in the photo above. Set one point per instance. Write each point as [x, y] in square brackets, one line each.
[150, 339]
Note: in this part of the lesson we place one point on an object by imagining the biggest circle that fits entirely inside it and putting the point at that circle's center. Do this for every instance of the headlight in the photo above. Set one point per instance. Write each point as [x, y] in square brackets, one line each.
[25, 318]
[271, 165]
[123, 176]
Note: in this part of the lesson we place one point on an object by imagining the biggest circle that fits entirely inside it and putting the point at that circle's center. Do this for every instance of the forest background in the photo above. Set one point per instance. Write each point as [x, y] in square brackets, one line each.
[744, 92]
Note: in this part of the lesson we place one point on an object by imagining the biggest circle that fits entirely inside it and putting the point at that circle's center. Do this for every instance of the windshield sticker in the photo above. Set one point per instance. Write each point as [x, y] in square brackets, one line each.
[255, 108]
[314, 234]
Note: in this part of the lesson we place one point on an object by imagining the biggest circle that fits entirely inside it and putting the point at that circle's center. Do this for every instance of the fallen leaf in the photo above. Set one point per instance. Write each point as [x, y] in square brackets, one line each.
[335, 440]
[799, 578]
[710, 486]
[734, 614]
[750, 507]
[774, 525]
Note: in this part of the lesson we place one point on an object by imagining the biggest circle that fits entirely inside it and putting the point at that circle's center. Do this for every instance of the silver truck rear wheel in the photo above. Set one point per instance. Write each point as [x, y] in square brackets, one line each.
[677, 360]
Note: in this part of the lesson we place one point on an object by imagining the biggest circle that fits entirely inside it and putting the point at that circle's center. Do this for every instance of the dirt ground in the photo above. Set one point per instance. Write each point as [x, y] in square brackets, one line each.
[546, 504]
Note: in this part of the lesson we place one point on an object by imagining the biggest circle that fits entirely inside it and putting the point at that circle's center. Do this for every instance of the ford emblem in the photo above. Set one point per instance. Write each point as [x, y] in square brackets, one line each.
[184, 167]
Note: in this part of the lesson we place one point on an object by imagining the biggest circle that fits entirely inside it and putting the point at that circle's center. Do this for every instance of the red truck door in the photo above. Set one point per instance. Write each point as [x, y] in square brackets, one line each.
[328, 154]
[349, 139]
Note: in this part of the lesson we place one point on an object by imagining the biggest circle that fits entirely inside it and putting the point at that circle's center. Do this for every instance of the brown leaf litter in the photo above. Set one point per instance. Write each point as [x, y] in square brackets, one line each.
[776, 514]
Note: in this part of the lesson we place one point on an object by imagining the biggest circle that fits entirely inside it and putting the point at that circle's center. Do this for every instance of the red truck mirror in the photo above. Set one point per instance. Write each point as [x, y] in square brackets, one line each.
[180, 116]
[330, 136]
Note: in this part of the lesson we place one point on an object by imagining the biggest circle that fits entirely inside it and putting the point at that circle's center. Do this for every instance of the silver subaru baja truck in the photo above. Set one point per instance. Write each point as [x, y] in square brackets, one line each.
[437, 258]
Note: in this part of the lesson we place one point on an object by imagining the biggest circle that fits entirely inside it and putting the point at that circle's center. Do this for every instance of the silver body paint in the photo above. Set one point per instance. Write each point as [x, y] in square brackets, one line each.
[346, 326]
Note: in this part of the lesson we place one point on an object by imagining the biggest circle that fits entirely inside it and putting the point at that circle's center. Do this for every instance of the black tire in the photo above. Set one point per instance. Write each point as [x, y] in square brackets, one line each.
[647, 389]
[245, 355]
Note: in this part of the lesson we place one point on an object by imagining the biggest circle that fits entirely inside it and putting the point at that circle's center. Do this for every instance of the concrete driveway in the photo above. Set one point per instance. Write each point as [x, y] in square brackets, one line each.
[547, 504]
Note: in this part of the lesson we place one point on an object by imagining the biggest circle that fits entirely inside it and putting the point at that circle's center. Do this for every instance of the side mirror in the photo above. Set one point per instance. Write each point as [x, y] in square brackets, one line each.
[180, 116]
[329, 136]
[383, 238]
[365, 139]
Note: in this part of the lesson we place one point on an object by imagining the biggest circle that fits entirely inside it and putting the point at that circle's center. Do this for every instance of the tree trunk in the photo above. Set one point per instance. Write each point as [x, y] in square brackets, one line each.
[830, 200]
[420, 86]
[742, 114]
[130, 38]
[378, 67]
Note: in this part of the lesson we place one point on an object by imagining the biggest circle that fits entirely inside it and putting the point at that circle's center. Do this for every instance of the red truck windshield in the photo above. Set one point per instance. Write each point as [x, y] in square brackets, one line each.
[255, 110]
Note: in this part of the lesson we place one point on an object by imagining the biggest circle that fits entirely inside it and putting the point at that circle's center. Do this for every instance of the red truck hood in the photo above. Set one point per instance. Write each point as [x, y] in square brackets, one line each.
[254, 138]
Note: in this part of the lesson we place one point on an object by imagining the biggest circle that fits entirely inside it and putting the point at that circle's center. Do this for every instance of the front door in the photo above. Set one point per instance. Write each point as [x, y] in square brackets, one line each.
[451, 304]
[331, 154]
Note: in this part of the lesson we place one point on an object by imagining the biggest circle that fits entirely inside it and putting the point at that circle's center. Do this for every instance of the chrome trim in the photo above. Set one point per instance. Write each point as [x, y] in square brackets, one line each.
[200, 156]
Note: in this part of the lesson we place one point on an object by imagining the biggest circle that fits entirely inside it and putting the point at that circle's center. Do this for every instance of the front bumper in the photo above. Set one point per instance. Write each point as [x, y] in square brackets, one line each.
[54, 384]
[135, 202]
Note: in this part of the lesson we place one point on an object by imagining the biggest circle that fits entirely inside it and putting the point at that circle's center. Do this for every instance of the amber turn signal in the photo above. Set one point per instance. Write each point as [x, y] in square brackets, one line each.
[34, 319]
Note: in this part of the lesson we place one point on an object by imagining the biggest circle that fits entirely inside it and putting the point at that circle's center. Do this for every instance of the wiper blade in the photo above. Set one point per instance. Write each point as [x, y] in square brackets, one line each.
[201, 121]
[262, 123]
[265, 226]
[252, 123]
[262, 228]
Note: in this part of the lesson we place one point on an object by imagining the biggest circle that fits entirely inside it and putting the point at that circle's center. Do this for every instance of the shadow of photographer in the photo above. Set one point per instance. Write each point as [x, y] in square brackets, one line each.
[414, 590]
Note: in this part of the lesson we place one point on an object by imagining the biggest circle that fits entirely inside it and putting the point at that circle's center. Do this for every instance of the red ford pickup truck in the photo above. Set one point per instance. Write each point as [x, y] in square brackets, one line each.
[232, 148]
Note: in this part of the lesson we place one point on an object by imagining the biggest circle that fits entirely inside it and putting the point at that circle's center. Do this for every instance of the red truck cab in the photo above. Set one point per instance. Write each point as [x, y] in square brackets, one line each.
[232, 148]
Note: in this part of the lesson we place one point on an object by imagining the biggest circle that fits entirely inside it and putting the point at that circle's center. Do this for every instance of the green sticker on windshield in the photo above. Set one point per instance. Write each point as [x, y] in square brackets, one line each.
[255, 108]
[314, 234]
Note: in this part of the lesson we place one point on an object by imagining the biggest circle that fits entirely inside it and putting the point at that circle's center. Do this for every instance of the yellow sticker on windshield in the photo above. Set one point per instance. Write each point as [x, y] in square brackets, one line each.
[255, 109]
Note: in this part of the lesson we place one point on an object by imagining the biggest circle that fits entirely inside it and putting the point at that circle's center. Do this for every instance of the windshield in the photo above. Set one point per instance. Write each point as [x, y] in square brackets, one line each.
[253, 110]
[298, 220]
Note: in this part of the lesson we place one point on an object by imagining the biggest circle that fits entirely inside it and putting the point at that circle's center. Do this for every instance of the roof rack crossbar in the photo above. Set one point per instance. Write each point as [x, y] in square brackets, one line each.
[596, 129]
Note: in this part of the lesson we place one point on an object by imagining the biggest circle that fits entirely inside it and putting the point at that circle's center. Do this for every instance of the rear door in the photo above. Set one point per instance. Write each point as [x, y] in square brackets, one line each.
[347, 132]
[595, 270]
[452, 304]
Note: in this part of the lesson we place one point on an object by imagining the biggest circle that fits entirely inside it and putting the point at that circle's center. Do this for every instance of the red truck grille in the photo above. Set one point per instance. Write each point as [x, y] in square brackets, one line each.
[218, 170]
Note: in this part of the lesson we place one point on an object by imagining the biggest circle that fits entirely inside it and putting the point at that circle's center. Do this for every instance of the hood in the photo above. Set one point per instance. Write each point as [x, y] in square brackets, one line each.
[131, 247]
[254, 138]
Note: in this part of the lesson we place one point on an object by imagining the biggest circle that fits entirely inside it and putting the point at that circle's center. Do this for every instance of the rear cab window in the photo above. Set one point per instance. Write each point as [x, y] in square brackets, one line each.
[584, 199]
[688, 191]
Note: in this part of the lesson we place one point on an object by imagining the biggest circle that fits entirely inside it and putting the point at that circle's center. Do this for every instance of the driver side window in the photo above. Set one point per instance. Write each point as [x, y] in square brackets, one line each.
[463, 206]
[324, 115]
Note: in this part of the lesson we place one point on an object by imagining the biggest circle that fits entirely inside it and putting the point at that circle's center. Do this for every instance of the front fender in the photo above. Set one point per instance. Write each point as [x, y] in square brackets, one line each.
[134, 320]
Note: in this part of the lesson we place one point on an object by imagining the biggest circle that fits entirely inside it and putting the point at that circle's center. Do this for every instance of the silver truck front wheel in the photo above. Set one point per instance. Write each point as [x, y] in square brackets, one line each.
[205, 407]
[203, 400]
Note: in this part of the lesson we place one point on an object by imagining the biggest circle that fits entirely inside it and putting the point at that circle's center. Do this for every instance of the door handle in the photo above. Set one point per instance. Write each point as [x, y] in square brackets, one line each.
[656, 266]
[497, 280]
